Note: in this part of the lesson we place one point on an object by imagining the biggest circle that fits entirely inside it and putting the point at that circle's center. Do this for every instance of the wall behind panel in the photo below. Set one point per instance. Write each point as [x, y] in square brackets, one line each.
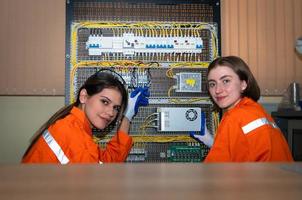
[263, 33]
[32, 39]
[20, 118]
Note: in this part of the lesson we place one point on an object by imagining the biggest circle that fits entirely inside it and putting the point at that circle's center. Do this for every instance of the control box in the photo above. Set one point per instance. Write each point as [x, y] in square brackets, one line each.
[188, 82]
[179, 119]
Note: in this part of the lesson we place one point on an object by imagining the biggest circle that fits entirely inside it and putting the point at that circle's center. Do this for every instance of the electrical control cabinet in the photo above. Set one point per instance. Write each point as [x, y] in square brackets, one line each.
[166, 46]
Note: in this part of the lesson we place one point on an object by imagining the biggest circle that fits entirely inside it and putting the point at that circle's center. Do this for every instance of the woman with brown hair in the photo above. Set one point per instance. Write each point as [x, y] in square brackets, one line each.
[67, 136]
[246, 132]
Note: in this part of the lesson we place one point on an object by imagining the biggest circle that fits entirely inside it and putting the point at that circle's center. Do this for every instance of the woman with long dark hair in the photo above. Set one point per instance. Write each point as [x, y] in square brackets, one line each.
[67, 136]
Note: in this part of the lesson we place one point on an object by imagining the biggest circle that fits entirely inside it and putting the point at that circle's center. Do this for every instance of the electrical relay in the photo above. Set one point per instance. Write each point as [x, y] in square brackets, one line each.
[188, 82]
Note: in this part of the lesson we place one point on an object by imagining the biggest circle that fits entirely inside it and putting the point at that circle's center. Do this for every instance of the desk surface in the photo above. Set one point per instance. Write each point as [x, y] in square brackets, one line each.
[152, 181]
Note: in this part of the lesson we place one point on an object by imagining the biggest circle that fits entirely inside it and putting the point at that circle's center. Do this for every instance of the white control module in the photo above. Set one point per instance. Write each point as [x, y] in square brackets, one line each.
[188, 82]
[179, 119]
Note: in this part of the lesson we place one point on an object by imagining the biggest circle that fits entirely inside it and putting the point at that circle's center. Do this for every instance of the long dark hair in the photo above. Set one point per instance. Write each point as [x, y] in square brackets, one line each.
[104, 78]
[243, 71]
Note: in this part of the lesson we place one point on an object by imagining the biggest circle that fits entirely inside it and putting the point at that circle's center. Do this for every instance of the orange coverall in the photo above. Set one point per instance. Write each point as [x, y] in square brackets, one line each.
[74, 136]
[263, 143]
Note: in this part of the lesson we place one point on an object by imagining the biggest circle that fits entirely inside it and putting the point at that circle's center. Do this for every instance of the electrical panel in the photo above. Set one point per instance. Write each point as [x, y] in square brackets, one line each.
[166, 46]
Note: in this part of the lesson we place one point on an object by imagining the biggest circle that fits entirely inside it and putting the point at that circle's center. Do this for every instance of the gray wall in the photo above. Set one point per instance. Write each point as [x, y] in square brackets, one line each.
[20, 117]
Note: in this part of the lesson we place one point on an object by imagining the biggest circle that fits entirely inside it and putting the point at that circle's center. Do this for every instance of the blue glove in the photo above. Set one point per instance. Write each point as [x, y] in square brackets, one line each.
[204, 136]
[137, 98]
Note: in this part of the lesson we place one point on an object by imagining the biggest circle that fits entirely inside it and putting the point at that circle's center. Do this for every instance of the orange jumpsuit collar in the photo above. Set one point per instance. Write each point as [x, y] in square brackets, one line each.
[243, 101]
[78, 113]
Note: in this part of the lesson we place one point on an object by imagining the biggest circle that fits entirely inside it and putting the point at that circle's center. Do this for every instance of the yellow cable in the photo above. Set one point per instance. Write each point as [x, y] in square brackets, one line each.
[158, 139]
[162, 139]
[146, 123]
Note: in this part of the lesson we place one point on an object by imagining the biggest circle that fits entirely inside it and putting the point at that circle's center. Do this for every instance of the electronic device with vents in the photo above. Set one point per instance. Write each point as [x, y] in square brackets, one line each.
[179, 119]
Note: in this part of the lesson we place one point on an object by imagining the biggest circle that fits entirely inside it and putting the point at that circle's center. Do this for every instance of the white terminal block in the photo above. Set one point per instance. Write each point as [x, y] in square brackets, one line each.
[188, 82]
[129, 44]
[176, 119]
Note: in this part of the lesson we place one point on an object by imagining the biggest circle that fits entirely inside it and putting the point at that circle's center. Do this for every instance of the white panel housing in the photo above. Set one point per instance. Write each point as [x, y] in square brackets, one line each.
[180, 119]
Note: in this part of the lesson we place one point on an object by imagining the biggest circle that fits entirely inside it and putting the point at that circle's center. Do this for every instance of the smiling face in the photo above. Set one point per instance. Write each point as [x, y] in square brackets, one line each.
[225, 87]
[102, 108]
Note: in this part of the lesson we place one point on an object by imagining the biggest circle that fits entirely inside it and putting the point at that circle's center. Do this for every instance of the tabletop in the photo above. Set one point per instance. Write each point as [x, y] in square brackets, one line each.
[287, 114]
[152, 181]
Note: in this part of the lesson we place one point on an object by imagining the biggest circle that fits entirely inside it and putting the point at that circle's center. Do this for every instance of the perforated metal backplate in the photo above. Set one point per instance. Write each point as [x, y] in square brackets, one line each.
[150, 18]
[159, 83]
[154, 10]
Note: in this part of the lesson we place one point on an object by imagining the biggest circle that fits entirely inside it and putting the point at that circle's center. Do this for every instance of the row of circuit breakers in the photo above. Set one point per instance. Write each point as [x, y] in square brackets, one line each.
[128, 44]
[166, 47]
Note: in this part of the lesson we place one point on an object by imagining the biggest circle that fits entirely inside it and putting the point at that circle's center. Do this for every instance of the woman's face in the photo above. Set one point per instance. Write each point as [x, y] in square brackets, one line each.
[102, 108]
[225, 87]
